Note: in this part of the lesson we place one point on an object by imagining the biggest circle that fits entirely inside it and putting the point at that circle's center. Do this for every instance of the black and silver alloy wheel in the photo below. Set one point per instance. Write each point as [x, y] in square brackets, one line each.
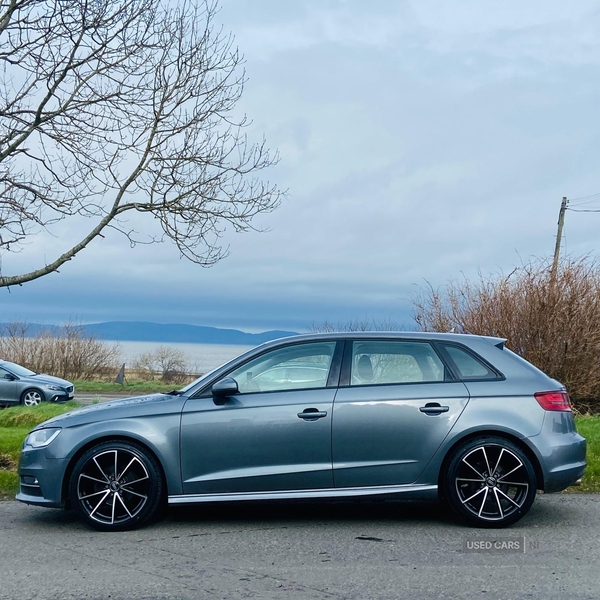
[490, 482]
[116, 486]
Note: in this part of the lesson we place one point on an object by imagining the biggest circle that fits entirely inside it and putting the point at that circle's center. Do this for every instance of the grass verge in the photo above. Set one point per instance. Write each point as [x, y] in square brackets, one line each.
[11, 440]
[16, 422]
[30, 416]
[129, 387]
[589, 428]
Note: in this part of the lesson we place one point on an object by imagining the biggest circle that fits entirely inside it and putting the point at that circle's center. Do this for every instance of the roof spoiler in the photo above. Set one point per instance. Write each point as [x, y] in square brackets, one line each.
[496, 341]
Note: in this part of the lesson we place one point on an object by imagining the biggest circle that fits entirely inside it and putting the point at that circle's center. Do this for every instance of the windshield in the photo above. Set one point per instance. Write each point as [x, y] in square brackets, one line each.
[18, 369]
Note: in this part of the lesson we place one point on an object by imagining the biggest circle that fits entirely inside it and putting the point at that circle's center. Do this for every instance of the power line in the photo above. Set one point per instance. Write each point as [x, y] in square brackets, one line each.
[564, 207]
[583, 200]
[585, 197]
[588, 203]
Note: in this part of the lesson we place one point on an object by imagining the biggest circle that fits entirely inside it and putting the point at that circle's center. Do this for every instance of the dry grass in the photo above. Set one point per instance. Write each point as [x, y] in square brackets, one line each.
[72, 354]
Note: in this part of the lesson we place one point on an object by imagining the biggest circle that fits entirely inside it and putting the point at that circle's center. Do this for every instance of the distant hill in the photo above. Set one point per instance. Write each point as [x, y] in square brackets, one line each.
[141, 331]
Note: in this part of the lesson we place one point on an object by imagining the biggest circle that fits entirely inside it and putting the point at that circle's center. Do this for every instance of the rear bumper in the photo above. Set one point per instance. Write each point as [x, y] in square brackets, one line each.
[561, 452]
[562, 478]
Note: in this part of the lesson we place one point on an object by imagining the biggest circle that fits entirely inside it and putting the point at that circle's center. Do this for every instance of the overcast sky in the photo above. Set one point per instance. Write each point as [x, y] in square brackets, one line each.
[419, 140]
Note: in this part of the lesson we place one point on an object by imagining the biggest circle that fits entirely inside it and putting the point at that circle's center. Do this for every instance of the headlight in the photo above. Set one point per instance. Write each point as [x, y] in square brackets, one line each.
[55, 387]
[41, 437]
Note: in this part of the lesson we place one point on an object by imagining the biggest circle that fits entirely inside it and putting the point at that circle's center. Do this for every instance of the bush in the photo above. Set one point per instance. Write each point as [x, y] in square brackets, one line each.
[70, 353]
[552, 320]
[168, 363]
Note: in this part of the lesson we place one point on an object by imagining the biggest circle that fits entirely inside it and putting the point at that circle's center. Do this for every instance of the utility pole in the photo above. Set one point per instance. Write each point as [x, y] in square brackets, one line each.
[561, 222]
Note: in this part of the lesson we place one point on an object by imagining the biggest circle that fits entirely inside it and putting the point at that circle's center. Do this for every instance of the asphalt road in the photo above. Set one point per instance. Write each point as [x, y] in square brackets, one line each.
[91, 397]
[320, 551]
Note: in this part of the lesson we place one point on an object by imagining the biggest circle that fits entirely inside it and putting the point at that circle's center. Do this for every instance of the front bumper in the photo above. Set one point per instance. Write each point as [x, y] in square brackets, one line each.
[56, 396]
[41, 478]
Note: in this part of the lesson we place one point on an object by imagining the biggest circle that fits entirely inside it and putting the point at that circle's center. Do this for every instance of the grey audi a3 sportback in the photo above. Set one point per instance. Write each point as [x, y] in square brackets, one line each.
[387, 415]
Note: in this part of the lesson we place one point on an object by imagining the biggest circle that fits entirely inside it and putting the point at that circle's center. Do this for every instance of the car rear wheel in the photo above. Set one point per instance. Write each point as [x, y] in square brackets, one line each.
[116, 486]
[31, 398]
[490, 482]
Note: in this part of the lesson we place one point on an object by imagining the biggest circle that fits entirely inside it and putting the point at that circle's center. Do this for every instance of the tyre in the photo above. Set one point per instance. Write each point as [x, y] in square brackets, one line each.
[32, 398]
[490, 482]
[116, 486]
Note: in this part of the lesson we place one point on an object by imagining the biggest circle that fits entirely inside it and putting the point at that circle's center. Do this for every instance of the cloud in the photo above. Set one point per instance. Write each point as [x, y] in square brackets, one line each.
[419, 140]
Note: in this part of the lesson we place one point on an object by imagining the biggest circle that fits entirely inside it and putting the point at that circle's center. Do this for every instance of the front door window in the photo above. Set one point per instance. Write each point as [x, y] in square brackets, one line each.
[303, 366]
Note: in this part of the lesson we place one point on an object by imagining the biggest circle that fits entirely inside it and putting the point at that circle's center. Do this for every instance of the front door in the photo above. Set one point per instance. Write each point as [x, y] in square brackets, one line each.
[8, 387]
[275, 434]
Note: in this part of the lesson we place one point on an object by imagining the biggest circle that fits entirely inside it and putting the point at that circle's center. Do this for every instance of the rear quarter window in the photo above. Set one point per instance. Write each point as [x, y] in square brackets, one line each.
[468, 366]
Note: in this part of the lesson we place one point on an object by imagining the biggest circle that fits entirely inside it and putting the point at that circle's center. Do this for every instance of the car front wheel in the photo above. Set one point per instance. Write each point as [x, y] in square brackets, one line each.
[490, 482]
[31, 398]
[116, 486]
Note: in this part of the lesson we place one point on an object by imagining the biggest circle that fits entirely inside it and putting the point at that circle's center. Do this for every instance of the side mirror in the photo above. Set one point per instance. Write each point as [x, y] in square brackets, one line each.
[223, 389]
[10, 377]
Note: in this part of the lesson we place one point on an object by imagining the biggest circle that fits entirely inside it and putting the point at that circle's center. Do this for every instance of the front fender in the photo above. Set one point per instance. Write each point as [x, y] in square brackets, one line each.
[159, 434]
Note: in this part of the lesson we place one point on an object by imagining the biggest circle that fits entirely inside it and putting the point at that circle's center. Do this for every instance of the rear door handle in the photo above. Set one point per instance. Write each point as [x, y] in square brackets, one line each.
[433, 408]
[312, 414]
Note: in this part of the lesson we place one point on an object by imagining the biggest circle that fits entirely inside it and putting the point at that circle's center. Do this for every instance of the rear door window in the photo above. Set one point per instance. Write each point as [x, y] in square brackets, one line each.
[389, 362]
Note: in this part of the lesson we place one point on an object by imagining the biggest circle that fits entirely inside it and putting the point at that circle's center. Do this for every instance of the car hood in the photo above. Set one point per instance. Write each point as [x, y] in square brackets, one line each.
[135, 407]
[43, 378]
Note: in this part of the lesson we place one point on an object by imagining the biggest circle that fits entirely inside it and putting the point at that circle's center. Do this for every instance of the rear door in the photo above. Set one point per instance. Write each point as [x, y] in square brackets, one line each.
[395, 405]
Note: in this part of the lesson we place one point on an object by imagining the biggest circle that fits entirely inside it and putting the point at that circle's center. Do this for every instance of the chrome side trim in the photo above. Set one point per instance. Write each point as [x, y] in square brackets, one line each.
[262, 471]
[418, 490]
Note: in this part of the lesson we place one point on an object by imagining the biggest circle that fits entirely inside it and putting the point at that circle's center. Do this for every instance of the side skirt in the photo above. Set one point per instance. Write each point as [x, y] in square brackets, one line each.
[421, 492]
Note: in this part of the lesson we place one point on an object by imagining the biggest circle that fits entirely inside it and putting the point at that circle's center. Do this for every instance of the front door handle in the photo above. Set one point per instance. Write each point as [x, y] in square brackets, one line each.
[433, 408]
[312, 414]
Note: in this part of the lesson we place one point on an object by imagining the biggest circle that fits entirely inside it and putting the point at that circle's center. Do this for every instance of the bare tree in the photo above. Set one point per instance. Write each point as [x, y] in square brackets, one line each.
[109, 107]
[365, 324]
[170, 363]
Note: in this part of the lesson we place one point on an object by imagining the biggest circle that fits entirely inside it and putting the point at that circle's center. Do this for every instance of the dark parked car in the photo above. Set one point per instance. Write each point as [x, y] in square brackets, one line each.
[385, 415]
[19, 385]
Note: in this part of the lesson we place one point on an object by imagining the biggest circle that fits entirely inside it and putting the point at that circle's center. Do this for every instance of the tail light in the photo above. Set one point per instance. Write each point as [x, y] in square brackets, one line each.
[554, 401]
